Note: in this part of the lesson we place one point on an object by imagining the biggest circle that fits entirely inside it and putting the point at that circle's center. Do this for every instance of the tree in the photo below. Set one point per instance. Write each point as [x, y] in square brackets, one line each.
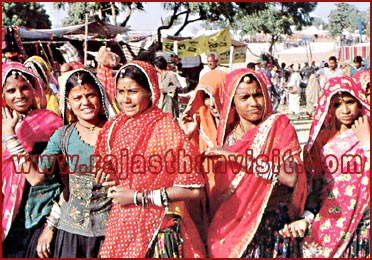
[31, 15]
[340, 19]
[101, 11]
[277, 20]
[185, 13]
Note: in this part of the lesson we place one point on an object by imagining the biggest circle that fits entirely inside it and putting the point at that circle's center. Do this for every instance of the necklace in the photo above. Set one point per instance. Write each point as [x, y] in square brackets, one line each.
[90, 128]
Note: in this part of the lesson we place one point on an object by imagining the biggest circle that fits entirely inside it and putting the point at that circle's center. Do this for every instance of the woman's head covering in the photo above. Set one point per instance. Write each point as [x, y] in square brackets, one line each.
[323, 122]
[212, 84]
[67, 115]
[228, 114]
[40, 68]
[150, 74]
[8, 67]
[363, 76]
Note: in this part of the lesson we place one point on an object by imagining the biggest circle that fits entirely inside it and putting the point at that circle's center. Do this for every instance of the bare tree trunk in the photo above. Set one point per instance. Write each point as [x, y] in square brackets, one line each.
[113, 13]
[127, 16]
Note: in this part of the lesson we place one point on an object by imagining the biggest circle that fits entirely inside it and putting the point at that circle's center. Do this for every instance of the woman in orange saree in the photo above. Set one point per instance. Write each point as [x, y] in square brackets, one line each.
[259, 182]
[337, 161]
[199, 122]
[150, 182]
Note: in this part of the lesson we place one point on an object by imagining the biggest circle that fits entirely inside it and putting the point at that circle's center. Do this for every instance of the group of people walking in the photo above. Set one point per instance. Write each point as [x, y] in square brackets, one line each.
[119, 177]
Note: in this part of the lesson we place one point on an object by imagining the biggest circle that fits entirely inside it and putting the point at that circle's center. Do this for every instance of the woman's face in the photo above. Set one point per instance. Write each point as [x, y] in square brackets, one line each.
[208, 102]
[249, 102]
[133, 99]
[18, 94]
[345, 108]
[84, 101]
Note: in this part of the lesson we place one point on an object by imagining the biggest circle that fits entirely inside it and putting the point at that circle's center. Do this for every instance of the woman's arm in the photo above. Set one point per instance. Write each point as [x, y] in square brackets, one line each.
[125, 196]
[21, 158]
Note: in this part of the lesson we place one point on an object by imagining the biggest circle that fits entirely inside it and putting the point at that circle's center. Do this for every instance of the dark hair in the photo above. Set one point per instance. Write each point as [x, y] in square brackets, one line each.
[358, 59]
[251, 65]
[346, 93]
[332, 58]
[133, 72]
[80, 78]
[161, 62]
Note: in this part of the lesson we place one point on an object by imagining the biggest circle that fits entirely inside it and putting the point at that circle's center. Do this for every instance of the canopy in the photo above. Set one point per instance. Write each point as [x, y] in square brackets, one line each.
[95, 29]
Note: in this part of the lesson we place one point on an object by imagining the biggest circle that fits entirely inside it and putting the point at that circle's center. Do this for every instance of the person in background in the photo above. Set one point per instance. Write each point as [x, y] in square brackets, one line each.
[358, 65]
[212, 61]
[331, 70]
[43, 72]
[337, 210]
[107, 60]
[26, 128]
[312, 93]
[199, 122]
[169, 87]
[294, 91]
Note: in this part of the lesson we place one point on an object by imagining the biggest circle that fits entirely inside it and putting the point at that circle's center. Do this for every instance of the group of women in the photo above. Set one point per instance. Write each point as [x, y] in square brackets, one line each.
[107, 183]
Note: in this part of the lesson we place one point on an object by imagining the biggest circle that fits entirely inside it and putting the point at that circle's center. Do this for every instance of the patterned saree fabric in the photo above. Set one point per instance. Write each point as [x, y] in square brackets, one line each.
[240, 197]
[144, 149]
[344, 194]
[37, 126]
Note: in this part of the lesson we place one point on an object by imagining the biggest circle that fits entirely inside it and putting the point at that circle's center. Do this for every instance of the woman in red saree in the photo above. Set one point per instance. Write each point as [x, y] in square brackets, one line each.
[258, 174]
[337, 159]
[143, 141]
[26, 128]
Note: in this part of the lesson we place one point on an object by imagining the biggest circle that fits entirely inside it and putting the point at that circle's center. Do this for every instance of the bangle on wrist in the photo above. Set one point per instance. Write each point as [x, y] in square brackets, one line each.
[8, 138]
[50, 226]
[135, 201]
[308, 216]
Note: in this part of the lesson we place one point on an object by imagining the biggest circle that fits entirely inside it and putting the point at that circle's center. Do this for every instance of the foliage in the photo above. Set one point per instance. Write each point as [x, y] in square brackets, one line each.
[31, 15]
[101, 11]
[277, 20]
[214, 12]
[340, 18]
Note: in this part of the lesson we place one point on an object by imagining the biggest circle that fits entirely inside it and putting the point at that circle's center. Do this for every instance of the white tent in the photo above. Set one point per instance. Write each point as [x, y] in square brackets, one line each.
[312, 30]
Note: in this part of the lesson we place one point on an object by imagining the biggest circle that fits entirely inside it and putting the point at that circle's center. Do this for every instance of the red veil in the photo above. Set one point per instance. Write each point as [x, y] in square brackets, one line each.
[239, 199]
[131, 229]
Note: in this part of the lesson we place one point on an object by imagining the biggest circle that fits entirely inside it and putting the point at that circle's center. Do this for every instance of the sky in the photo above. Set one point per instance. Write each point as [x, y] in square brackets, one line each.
[150, 19]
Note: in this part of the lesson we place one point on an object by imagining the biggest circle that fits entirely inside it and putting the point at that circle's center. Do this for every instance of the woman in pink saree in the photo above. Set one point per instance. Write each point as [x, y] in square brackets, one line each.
[259, 185]
[26, 127]
[337, 160]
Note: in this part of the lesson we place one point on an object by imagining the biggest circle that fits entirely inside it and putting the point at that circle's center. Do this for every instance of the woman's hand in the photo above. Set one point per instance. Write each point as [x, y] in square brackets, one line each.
[219, 151]
[43, 244]
[362, 129]
[294, 229]
[121, 195]
[188, 124]
[106, 180]
[9, 121]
